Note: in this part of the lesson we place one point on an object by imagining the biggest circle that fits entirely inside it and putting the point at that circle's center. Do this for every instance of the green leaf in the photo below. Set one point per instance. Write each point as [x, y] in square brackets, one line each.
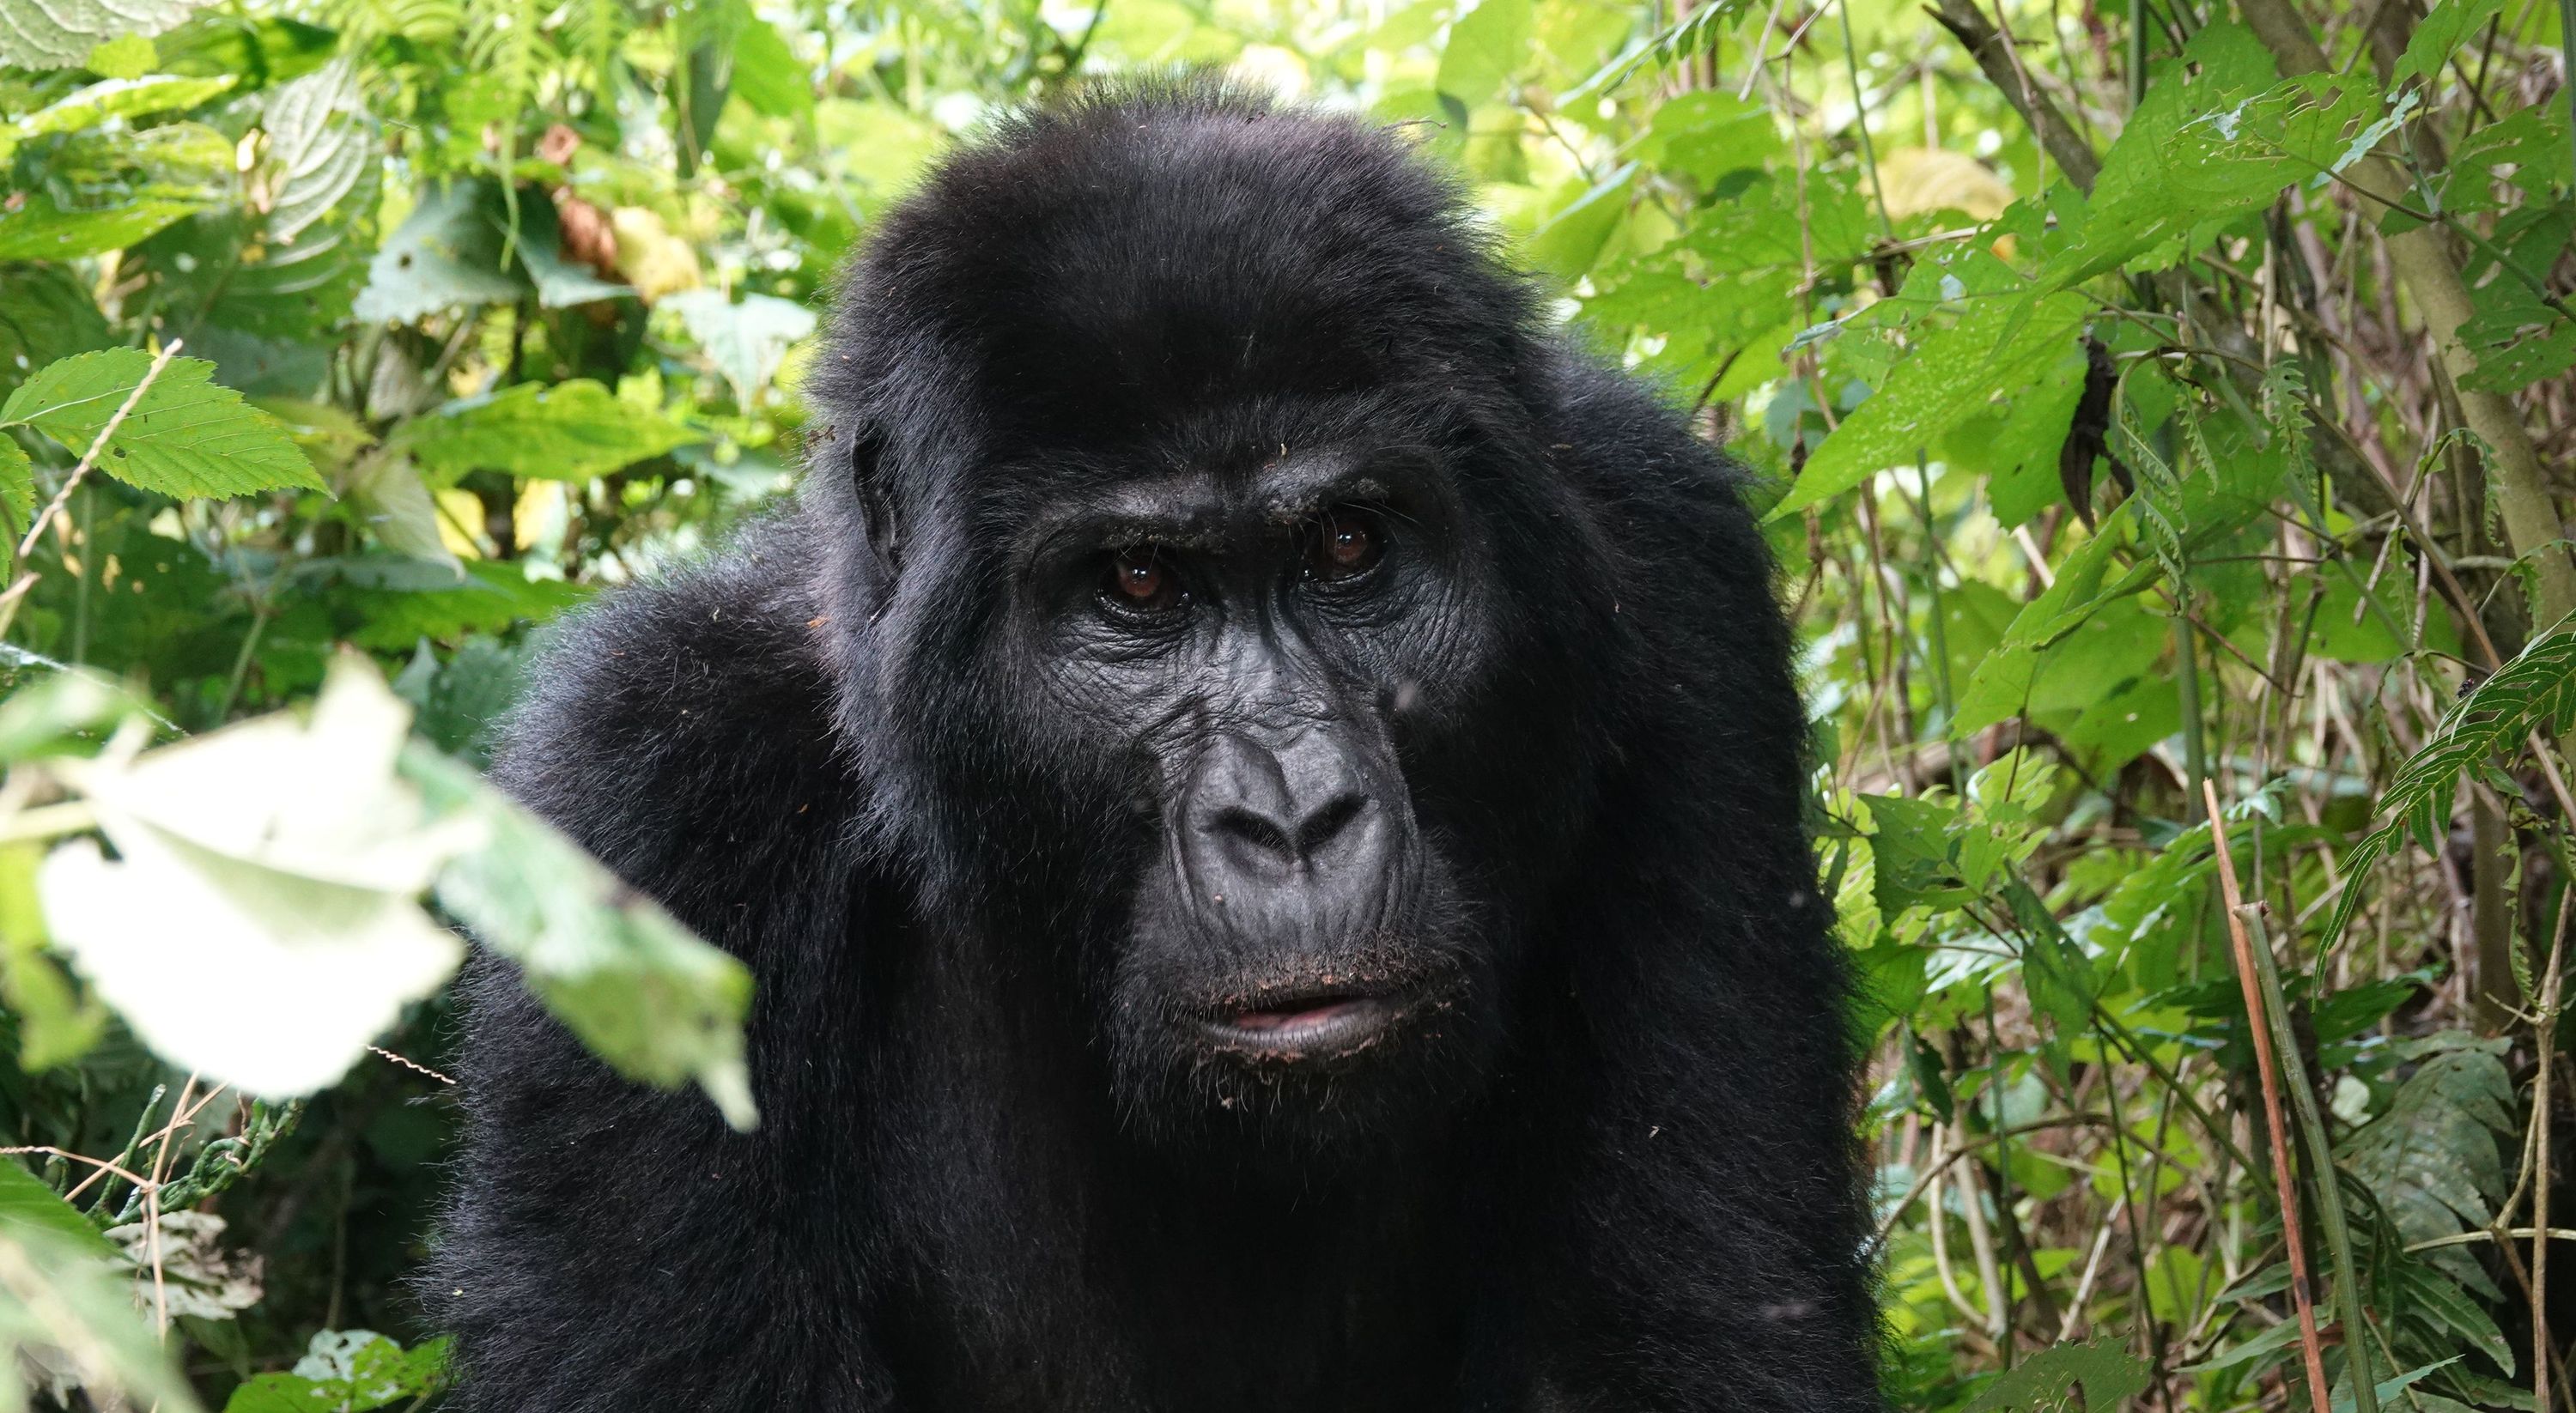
[2388, 1389]
[105, 192]
[2011, 675]
[768, 75]
[2001, 345]
[1708, 133]
[2536, 691]
[2047, 1381]
[388, 496]
[446, 253]
[187, 437]
[130, 56]
[58, 1296]
[26, 1203]
[58, 34]
[1486, 47]
[641, 991]
[265, 49]
[294, 271]
[1571, 240]
[746, 341]
[17, 486]
[120, 98]
[2439, 35]
[569, 431]
[2433, 1159]
[56, 1024]
[45, 314]
[321, 147]
[2174, 171]
[346, 1371]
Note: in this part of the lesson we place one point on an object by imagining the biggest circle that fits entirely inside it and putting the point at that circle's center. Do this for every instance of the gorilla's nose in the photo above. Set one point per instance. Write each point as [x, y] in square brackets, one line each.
[1278, 813]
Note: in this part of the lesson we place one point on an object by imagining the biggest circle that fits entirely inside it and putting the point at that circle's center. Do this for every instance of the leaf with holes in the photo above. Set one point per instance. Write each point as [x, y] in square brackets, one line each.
[187, 436]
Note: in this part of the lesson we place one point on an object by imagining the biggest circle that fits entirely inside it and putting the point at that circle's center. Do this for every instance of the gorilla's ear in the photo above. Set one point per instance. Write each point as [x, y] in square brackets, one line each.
[876, 504]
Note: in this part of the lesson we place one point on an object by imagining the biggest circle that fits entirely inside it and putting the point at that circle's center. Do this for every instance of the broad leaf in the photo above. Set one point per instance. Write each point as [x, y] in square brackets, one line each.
[570, 431]
[446, 253]
[642, 991]
[346, 1371]
[26, 1203]
[57, 34]
[262, 922]
[1486, 46]
[746, 341]
[108, 192]
[117, 98]
[187, 437]
[2002, 344]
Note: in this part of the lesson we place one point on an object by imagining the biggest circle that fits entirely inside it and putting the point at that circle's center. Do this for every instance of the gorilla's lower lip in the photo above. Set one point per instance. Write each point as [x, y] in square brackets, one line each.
[1335, 1025]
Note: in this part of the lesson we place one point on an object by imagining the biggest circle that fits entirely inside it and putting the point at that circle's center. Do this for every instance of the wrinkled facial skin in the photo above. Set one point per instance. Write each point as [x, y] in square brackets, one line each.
[1244, 658]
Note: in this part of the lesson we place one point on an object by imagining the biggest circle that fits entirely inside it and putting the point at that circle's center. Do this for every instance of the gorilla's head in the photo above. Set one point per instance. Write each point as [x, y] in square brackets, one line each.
[1209, 613]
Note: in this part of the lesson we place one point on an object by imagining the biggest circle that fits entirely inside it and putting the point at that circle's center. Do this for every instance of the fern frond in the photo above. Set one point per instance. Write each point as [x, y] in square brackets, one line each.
[2536, 691]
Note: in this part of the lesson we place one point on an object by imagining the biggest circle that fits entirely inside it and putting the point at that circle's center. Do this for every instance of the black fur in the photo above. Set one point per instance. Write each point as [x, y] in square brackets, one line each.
[1611, 1170]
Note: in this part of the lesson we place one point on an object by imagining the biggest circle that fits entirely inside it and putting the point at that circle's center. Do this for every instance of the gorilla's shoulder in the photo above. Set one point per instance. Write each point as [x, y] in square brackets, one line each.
[1676, 503]
[680, 729]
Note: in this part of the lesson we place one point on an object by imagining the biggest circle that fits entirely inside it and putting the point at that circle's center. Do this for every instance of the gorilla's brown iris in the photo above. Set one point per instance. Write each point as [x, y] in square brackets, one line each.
[1139, 580]
[1346, 544]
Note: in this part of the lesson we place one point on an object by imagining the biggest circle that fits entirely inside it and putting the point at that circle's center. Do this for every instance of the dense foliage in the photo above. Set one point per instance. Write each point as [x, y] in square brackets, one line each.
[2156, 404]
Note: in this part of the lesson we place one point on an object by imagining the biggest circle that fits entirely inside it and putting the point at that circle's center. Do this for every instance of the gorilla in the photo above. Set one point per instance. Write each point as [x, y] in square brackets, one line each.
[1261, 788]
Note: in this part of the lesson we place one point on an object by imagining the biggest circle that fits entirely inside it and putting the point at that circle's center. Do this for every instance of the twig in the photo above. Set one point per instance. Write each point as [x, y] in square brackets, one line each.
[2302, 1292]
[411, 1064]
[1993, 51]
[102, 1164]
[2544, 1031]
[97, 445]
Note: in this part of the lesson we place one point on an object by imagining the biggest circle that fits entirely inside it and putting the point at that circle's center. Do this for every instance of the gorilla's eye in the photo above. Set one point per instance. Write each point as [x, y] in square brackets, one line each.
[1344, 543]
[1140, 582]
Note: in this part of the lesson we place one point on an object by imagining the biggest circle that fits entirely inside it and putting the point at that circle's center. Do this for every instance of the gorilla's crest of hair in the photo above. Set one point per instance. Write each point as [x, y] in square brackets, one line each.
[1039, 1130]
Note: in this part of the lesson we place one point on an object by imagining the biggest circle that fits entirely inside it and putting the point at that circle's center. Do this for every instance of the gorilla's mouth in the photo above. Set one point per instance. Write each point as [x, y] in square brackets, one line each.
[1316, 1025]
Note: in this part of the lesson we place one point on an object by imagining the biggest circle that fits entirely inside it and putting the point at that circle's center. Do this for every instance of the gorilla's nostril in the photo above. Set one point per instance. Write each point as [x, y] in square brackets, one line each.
[1327, 822]
[1245, 826]
[1262, 838]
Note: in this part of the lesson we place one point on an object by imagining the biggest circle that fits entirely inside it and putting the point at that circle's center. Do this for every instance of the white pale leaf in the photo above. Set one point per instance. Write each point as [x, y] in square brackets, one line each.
[263, 921]
[264, 980]
[316, 800]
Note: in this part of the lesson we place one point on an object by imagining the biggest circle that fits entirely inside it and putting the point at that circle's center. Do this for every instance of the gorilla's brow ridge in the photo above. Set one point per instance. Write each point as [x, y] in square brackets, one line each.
[1191, 509]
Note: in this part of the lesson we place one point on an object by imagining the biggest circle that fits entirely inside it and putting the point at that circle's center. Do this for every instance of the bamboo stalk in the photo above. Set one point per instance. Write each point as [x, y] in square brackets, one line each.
[2422, 262]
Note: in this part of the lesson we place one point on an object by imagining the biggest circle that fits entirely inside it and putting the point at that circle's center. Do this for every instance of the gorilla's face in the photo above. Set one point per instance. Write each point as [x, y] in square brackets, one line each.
[1224, 624]
[1255, 670]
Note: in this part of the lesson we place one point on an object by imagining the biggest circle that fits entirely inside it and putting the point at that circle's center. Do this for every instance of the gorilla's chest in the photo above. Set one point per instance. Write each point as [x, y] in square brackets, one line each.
[1037, 1257]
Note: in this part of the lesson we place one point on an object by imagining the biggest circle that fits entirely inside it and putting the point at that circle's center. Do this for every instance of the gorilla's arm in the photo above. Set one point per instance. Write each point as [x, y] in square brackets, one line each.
[612, 1247]
[1704, 1247]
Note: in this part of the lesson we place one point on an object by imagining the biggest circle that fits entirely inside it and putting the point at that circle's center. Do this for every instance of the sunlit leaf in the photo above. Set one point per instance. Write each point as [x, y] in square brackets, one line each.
[568, 431]
[261, 922]
[640, 989]
[57, 34]
[186, 437]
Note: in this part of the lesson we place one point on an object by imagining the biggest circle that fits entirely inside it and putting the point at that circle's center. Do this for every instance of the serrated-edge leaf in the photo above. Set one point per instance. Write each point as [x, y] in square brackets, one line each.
[187, 437]
[17, 484]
